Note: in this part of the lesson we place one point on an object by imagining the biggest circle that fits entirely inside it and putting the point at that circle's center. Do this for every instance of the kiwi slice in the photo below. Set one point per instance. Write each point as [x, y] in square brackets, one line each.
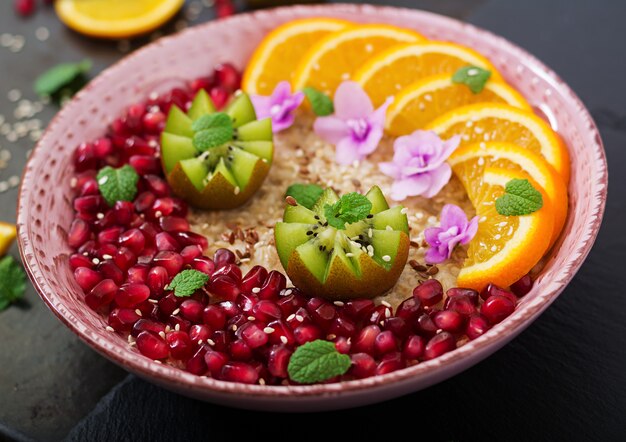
[228, 171]
[364, 259]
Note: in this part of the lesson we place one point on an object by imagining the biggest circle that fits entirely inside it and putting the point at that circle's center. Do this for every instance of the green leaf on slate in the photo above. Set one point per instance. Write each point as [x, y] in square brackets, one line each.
[187, 282]
[474, 77]
[317, 361]
[60, 77]
[12, 281]
[520, 198]
[305, 194]
[118, 184]
[321, 103]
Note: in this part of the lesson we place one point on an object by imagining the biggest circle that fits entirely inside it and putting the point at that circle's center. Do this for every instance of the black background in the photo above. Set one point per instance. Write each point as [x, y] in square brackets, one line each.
[564, 378]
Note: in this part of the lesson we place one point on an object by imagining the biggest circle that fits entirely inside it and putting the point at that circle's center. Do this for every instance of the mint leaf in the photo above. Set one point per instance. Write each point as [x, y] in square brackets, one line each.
[321, 103]
[350, 208]
[118, 184]
[60, 76]
[187, 282]
[520, 198]
[212, 130]
[305, 194]
[210, 121]
[12, 281]
[473, 77]
[317, 361]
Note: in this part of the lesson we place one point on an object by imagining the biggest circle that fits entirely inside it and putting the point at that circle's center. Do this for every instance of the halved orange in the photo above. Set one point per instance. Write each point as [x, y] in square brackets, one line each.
[422, 102]
[502, 122]
[276, 57]
[392, 70]
[335, 58]
[116, 18]
[505, 248]
[469, 163]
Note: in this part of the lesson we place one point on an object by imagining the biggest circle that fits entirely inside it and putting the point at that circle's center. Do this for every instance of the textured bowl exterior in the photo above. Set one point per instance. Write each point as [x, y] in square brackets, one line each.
[45, 202]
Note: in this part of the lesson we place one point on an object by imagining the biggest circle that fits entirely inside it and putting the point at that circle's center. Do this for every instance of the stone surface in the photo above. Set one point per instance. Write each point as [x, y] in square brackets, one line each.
[562, 379]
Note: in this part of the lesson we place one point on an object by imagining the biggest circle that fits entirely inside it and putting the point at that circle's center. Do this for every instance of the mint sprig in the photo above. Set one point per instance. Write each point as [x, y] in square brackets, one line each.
[12, 281]
[62, 77]
[520, 198]
[187, 282]
[212, 130]
[118, 184]
[321, 103]
[350, 208]
[317, 361]
[305, 194]
[474, 77]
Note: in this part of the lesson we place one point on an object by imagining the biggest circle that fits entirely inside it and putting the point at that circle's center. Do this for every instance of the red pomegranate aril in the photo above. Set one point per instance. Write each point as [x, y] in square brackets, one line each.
[454, 292]
[190, 253]
[102, 294]
[197, 364]
[235, 371]
[138, 274]
[173, 223]
[380, 313]
[398, 326]
[228, 77]
[144, 164]
[157, 279]
[149, 231]
[215, 360]
[424, 325]
[230, 270]
[253, 335]
[201, 83]
[177, 323]
[136, 111]
[254, 279]
[342, 326]
[343, 345]
[152, 346]
[306, 333]
[162, 207]
[281, 334]
[364, 342]
[158, 186]
[79, 180]
[363, 365]
[221, 340]
[166, 242]
[203, 264]
[477, 325]
[214, 317]
[147, 324]
[124, 258]
[109, 270]
[235, 323]
[278, 360]
[168, 304]
[25, 7]
[144, 201]
[172, 262]
[385, 342]
[87, 278]
[266, 311]
[390, 362]
[134, 145]
[191, 239]
[223, 257]
[413, 347]
[430, 292]
[123, 319]
[180, 207]
[448, 320]
[106, 252]
[154, 121]
[275, 283]
[522, 286]
[180, 345]
[494, 290]
[103, 147]
[496, 308]
[199, 333]
[409, 309]
[463, 304]
[79, 233]
[131, 295]
[77, 260]
[239, 350]
[439, 344]
[224, 288]
[230, 308]
[84, 157]
[110, 235]
[90, 187]
[192, 310]
[301, 316]
[292, 302]
[89, 204]
[359, 309]
[123, 212]
[219, 97]
[88, 249]
[321, 312]
[134, 240]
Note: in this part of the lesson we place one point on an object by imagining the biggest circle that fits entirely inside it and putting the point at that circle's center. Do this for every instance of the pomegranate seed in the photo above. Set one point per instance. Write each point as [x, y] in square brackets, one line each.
[152, 346]
[190, 253]
[201, 83]
[275, 283]
[463, 304]
[110, 235]
[146, 324]
[321, 311]
[266, 311]
[214, 317]
[79, 233]
[413, 348]
[162, 207]
[168, 304]
[82, 178]
[301, 316]
[144, 201]
[380, 313]
[124, 258]
[278, 360]
[180, 207]
[253, 335]
[430, 292]
[192, 310]
[123, 319]
[219, 97]
[439, 344]
[25, 7]
[215, 360]
[89, 248]
[223, 257]
[254, 279]
[84, 155]
[191, 239]
[365, 339]
[227, 76]
[109, 270]
[229, 308]
[494, 290]
[178, 323]
[343, 345]
[459, 291]
[106, 252]
[157, 279]
[90, 187]
[221, 340]
[359, 309]
[197, 364]
[199, 333]
[87, 278]
[172, 262]
[77, 260]
[154, 121]
[134, 240]
[390, 362]
[165, 242]
[145, 164]
[246, 301]
[230, 270]
[306, 333]
[425, 325]
[130, 295]
[398, 326]
[173, 223]
[180, 345]
[239, 350]
[522, 286]
[477, 325]
[123, 212]
[385, 342]
[149, 232]
[342, 326]
[102, 294]
[409, 309]
[102, 148]
[136, 111]
[224, 288]
[448, 320]
[292, 302]
[138, 274]
[158, 186]
[496, 308]
[363, 365]
[203, 264]
[90, 204]
[239, 372]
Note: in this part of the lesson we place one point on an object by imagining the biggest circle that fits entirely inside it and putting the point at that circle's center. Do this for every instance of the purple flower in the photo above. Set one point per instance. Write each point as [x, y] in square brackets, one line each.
[419, 164]
[279, 106]
[453, 230]
[355, 128]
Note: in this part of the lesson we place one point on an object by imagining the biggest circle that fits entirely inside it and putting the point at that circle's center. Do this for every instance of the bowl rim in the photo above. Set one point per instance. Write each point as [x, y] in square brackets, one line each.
[497, 336]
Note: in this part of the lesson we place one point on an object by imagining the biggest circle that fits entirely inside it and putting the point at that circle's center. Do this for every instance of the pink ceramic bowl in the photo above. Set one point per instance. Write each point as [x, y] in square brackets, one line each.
[45, 204]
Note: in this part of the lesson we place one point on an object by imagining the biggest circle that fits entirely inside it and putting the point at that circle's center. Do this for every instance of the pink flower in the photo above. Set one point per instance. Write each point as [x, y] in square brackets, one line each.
[280, 106]
[453, 230]
[419, 164]
[355, 128]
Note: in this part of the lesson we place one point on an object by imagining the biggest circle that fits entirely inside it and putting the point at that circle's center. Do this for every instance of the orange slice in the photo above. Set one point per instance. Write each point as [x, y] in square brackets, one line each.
[505, 248]
[420, 103]
[116, 18]
[276, 58]
[502, 122]
[335, 58]
[7, 236]
[391, 71]
[469, 163]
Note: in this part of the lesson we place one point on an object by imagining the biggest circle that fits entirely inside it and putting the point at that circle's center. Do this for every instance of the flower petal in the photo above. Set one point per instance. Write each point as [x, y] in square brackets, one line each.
[431, 236]
[449, 146]
[370, 143]
[434, 256]
[377, 118]
[283, 123]
[453, 216]
[262, 105]
[411, 186]
[470, 232]
[351, 101]
[281, 92]
[390, 169]
[347, 151]
[438, 178]
[331, 129]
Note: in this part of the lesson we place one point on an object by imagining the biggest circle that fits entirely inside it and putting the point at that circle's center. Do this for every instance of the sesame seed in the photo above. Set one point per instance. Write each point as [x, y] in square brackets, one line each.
[472, 72]
[299, 318]
[162, 334]
[268, 330]
[211, 342]
[100, 215]
[261, 381]
[331, 336]
[157, 361]
[175, 312]
[388, 228]
[349, 254]
[284, 339]
[153, 301]
[105, 256]
[256, 289]
[200, 341]
[234, 327]
[96, 261]
[73, 182]
[158, 214]
[237, 190]
[370, 232]
[167, 329]
[177, 327]
[287, 292]
[385, 303]
[404, 211]
[494, 248]
[109, 328]
[386, 258]
[339, 303]
[291, 317]
[138, 312]
[387, 312]
[291, 201]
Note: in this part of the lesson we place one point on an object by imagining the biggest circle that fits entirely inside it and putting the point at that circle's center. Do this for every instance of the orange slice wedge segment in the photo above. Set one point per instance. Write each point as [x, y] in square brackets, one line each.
[392, 70]
[469, 163]
[7, 236]
[505, 248]
[276, 57]
[502, 122]
[335, 58]
[422, 102]
[116, 18]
